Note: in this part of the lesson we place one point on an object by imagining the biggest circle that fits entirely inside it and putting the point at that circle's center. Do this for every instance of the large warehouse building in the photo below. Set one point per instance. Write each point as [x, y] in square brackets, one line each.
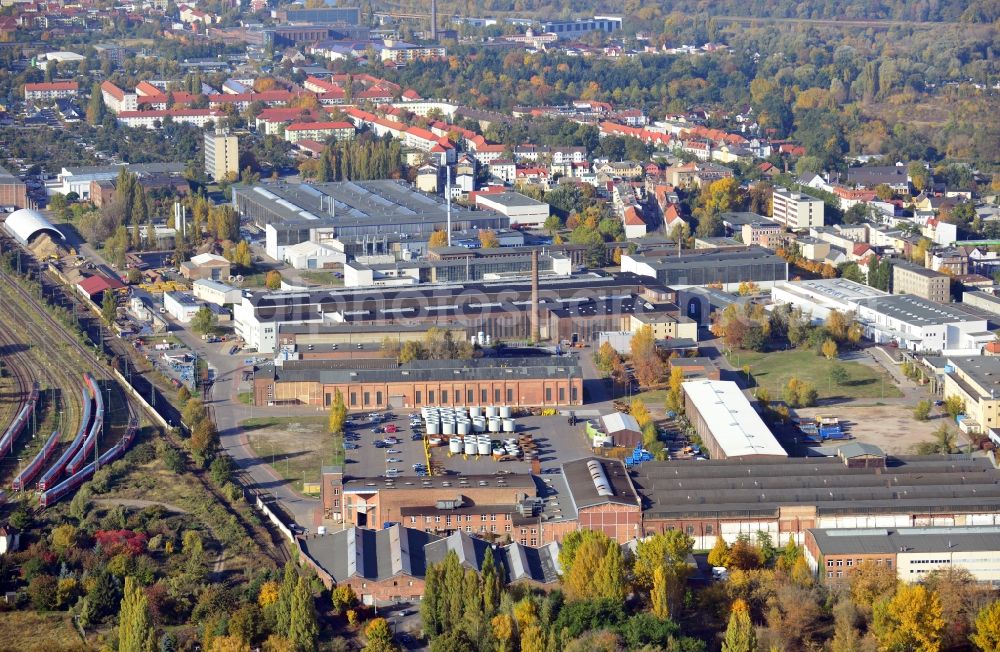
[351, 210]
[711, 267]
[538, 381]
[786, 497]
[500, 310]
[726, 422]
[911, 552]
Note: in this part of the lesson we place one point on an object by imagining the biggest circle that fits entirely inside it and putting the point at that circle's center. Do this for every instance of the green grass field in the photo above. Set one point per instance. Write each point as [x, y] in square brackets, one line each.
[322, 278]
[773, 370]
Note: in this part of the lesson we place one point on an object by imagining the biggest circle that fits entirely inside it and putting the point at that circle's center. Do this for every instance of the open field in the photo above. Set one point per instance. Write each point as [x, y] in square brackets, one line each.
[773, 370]
[890, 427]
[28, 631]
[322, 278]
[296, 447]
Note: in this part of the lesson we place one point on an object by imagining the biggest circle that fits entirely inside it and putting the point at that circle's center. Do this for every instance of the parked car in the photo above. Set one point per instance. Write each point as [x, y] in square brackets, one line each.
[393, 451]
[349, 446]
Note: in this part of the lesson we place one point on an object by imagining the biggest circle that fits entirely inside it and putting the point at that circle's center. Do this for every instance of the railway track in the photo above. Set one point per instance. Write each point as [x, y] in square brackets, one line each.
[269, 543]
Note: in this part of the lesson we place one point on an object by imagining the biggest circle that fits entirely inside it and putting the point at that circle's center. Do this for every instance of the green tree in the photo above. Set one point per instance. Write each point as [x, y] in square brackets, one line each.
[204, 321]
[491, 584]
[96, 111]
[922, 411]
[303, 629]
[272, 280]
[135, 621]
[109, 307]
[283, 605]
[740, 635]
[954, 406]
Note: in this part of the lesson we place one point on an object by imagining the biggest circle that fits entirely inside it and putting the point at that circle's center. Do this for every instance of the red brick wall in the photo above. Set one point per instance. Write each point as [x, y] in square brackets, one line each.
[620, 522]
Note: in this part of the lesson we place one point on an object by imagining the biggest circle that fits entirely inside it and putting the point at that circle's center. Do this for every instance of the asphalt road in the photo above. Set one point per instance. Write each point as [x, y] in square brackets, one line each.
[223, 399]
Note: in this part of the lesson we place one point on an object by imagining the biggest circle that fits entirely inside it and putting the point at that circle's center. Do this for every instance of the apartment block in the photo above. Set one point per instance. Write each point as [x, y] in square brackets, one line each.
[795, 210]
[908, 278]
[222, 155]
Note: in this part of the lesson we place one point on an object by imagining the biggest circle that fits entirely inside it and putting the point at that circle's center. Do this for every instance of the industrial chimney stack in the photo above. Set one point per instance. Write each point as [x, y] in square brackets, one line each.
[434, 20]
[535, 331]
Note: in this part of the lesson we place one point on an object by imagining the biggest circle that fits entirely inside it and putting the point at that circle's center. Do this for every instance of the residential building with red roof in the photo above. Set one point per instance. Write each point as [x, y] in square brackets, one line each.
[320, 131]
[154, 119]
[45, 91]
[118, 100]
[635, 225]
[269, 121]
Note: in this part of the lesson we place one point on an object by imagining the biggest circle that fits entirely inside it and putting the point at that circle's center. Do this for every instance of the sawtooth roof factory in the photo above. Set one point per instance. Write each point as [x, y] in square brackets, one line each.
[348, 210]
[500, 310]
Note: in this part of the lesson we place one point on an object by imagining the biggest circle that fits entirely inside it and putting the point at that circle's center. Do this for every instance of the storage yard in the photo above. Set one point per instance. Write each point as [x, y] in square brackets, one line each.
[890, 427]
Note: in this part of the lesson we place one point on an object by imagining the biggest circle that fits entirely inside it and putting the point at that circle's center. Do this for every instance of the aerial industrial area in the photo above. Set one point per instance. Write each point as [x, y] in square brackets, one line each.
[398, 326]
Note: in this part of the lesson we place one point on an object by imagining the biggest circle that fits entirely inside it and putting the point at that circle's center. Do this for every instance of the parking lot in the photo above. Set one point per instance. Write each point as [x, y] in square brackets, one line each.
[557, 442]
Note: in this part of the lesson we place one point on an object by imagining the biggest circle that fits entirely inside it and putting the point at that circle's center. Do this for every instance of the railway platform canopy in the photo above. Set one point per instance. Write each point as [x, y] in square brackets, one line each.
[25, 224]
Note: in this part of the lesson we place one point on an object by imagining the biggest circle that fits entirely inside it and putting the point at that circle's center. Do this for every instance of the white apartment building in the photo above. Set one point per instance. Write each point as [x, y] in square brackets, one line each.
[795, 210]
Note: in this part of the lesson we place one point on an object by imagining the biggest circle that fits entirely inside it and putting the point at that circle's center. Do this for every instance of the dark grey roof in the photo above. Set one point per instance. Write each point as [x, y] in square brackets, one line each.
[433, 370]
[916, 269]
[583, 489]
[874, 175]
[859, 449]
[536, 564]
[741, 218]
[510, 480]
[874, 541]
[931, 484]
[370, 554]
[470, 550]
[984, 370]
[712, 258]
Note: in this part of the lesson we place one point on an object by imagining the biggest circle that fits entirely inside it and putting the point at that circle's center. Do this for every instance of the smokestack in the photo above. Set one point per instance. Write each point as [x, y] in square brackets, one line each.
[535, 332]
[434, 20]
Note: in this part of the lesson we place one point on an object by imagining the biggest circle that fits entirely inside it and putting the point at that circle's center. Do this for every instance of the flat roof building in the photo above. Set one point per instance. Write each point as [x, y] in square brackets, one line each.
[917, 280]
[499, 309]
[710, 267]
[796, 210]
[786, 497]
[351, 209]
[521, 210]
[912, 552]
[728, 425]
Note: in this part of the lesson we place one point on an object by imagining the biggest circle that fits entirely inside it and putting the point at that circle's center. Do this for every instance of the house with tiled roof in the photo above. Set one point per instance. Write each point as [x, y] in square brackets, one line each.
[635, 225]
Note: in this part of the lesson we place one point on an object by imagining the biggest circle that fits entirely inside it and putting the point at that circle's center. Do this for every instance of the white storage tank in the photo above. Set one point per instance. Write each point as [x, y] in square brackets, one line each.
[494, 424]
[479, 424]
[447, 428]
[462, 427]
[506, 411]
[433, 428]
[492, 411]
[508, 425]
[455, 445]
[475, 411]
[483, 446]
[470, 446]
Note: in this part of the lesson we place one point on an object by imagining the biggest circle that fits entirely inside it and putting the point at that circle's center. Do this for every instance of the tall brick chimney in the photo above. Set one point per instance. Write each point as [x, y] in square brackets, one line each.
[535, 326]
